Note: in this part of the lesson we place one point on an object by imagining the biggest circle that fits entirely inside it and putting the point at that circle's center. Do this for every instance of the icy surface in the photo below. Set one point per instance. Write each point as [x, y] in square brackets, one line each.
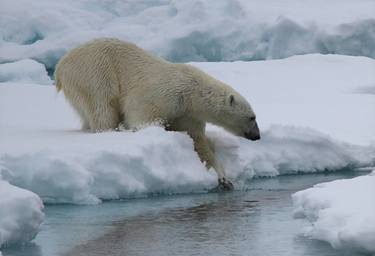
[44, 151]
[341, 212]
[20, 214]
[27, 71]
[209, 30]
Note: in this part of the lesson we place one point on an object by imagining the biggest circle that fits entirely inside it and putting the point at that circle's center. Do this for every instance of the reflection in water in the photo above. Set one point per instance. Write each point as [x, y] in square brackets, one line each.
[26, 249]
[179, 230]
[257, 222]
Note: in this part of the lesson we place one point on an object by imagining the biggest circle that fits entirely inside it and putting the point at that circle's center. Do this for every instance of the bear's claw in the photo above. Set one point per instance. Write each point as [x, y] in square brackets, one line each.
[225, 185]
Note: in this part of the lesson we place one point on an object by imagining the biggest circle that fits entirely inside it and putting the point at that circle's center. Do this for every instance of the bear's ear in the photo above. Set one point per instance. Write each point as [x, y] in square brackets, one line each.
[231, 100]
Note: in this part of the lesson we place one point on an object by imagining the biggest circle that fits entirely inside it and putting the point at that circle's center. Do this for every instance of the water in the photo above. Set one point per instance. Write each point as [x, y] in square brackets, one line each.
[255, 222]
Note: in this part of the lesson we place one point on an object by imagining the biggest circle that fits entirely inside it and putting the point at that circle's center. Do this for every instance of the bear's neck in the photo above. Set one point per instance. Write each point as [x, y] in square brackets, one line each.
[206, 94]
[206, 104]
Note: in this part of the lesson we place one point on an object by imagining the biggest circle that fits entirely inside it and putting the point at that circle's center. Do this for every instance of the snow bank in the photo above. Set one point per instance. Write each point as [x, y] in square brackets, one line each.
[288, 150]
[20, 214]
[84, 168]
[28, 71]
[43, 150]
[197, 30]
[341, 212]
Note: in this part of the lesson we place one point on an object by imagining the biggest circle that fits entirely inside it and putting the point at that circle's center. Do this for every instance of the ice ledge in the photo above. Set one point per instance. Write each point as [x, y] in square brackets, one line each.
[20, 214]
[341, 212]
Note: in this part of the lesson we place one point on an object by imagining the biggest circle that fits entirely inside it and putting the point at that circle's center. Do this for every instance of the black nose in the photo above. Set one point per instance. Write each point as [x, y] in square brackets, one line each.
[254, 133]
[252, 136]
[257, 137]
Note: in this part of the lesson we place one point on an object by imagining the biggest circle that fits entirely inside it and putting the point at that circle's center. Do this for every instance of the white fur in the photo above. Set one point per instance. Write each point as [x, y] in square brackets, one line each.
[109, 82]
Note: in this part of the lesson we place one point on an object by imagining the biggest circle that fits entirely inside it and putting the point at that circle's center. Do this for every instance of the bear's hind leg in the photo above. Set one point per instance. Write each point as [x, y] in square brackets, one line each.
[85, 123]
[103, 116]
[78, 105]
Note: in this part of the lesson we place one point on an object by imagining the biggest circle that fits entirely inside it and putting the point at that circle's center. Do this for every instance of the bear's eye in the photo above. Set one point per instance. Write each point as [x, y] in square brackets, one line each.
[231, 100]
[252, 118]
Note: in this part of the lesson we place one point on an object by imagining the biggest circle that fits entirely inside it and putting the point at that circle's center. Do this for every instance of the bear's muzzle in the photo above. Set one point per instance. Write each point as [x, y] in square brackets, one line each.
[253, 134]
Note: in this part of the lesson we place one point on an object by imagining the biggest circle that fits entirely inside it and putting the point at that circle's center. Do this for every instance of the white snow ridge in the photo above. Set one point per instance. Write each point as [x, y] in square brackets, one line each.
[211, 30]
[26, 71]
[341, 212]
[20, 214]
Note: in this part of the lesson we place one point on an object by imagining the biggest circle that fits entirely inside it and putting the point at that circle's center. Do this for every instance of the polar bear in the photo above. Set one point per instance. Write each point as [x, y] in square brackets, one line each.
[108, 82]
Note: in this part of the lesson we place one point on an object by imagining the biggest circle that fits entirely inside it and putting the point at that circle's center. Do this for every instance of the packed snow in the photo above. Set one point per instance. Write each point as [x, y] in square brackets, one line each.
[209, 30]
[341, 212]
[44, 151]
[27, 71]
[20, 214]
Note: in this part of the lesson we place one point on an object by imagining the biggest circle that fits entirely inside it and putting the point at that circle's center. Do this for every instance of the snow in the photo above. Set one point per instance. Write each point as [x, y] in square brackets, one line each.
[209, 30]
[309, 123]
[341, 212]
[20, 214]
[24, 71]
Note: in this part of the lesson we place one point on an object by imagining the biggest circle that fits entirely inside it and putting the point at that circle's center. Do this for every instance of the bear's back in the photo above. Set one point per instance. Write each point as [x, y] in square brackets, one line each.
[108, 57]
[109, 52]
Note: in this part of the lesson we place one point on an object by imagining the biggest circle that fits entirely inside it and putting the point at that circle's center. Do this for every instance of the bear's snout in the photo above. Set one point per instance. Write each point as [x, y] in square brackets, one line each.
[252, 136]
[254, 133]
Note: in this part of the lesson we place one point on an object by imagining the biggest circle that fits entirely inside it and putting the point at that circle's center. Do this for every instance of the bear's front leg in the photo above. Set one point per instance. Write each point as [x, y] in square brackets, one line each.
[196, 130]
[206, 155]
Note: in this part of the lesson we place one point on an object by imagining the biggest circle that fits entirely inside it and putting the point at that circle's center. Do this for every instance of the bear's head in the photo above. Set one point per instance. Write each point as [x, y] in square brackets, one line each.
[237, 116]
[220, 104]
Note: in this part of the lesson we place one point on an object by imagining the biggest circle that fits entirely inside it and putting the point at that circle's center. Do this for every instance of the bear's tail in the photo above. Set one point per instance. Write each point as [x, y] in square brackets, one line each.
[58, 83]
